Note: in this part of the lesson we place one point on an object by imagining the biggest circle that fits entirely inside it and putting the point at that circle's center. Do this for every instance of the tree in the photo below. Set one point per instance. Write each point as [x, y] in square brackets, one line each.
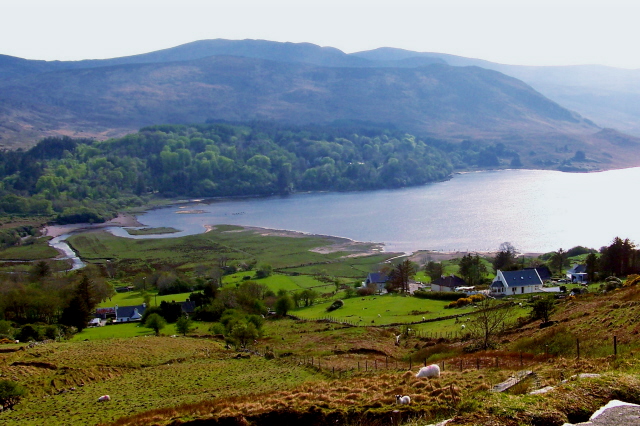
[506, 256]
[558, 260]
[155, 322]
[284, 304]
[264, 270]
[489, 321]
[591, 263]
[10, 393]
[542, 308]
[184, 325]
[434, 270]
[400, 275]
[242, 333]
[81, 306]
[472, 269]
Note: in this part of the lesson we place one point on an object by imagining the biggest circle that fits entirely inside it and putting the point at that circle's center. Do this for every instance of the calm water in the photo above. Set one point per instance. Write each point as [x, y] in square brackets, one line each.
[536, 211]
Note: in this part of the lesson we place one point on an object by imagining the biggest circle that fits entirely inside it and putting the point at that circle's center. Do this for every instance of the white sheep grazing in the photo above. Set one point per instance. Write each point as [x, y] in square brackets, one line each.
[403, 400]
[430, 371]
[379, 316]
[398, 339]
[104, 398]
[520, 304]
[462, 327]
[424, 319]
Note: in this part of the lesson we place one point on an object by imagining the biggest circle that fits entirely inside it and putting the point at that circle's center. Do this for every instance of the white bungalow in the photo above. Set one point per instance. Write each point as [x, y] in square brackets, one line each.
[516, 282]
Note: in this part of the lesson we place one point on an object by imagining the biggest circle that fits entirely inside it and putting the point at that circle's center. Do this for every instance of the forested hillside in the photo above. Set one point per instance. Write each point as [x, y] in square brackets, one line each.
[77, 178]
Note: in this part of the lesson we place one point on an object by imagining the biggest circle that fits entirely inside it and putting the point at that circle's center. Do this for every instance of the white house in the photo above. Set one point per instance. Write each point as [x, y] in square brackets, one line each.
[577, 274]
[516, 282]
[129, 313]
[379, 280]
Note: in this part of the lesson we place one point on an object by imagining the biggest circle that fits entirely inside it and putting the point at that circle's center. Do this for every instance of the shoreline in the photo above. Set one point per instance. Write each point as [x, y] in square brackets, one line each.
[123, 220]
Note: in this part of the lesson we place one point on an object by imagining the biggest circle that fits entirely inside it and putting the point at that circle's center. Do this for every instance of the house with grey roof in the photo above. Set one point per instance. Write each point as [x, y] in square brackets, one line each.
[508, 283]
[379, 279]
[447, 283]
[129, 313]
[577, 274]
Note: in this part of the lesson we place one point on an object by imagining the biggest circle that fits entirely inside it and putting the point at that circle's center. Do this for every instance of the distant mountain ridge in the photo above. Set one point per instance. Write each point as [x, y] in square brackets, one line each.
[431, 94]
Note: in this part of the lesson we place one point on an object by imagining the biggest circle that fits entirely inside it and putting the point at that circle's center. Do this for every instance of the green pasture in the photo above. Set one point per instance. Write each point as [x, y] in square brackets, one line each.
[151, 231]
[134, 329]
[133, 298]
[39, 250]
[391, 308]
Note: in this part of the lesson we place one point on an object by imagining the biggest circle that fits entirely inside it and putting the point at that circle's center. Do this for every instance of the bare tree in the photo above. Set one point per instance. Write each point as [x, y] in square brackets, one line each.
[490, 321]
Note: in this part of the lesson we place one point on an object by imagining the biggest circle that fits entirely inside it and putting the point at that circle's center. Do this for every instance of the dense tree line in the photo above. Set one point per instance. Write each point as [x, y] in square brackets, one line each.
[82, 180]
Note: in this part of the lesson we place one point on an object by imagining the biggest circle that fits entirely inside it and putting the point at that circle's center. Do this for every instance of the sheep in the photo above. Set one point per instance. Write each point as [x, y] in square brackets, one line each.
[520, 304]
[104, 398]
[462, 327]
[379, 316]
[398, 339]
[430, 371]
[424, 319]
[403, 400]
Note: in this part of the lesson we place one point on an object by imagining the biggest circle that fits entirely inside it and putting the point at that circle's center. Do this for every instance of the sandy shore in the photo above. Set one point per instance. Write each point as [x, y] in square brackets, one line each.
[123, 220]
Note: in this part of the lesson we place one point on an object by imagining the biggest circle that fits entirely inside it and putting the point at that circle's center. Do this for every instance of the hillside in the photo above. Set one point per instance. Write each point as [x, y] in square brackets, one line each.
[608, 96]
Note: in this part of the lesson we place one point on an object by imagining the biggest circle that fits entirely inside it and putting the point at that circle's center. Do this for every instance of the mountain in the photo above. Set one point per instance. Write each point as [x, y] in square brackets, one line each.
[429, 94]
[608, 96]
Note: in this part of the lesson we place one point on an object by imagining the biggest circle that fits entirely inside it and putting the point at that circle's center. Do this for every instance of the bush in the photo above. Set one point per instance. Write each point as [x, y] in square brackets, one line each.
[335, 305]
[10, 393]
[475, 298]
[29, 332]
[365, 291]
[438, 295]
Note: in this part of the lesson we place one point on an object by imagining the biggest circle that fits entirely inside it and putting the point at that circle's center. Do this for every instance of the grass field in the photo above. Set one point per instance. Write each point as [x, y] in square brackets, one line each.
[381, 310]
[233, 242]
[133, 298]
[139, 374]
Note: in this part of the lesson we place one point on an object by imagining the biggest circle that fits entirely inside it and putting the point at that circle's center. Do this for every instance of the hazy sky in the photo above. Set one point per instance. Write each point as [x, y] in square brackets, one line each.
[540, 32]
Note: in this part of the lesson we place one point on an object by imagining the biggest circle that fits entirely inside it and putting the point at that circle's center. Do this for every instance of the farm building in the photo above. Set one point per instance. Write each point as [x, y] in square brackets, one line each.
[516, 282]
[447, 283]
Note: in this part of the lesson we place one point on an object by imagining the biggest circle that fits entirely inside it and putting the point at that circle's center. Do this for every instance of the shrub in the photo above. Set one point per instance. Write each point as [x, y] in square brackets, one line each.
[632, 280]
[475, 298]
[10, 393]
[464, 301]
[29, 332]
[335, 305]
[365, 291]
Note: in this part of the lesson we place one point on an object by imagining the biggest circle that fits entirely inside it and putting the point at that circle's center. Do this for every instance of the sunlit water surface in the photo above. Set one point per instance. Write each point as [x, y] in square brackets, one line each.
[537, 211]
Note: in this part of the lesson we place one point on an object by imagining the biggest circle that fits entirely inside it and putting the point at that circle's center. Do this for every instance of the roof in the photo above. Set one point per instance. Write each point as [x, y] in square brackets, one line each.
[188, 307]
[543, 271]
[377, 277]
[128, 311]
[578, 269]
[450, 281]
[523, 277]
